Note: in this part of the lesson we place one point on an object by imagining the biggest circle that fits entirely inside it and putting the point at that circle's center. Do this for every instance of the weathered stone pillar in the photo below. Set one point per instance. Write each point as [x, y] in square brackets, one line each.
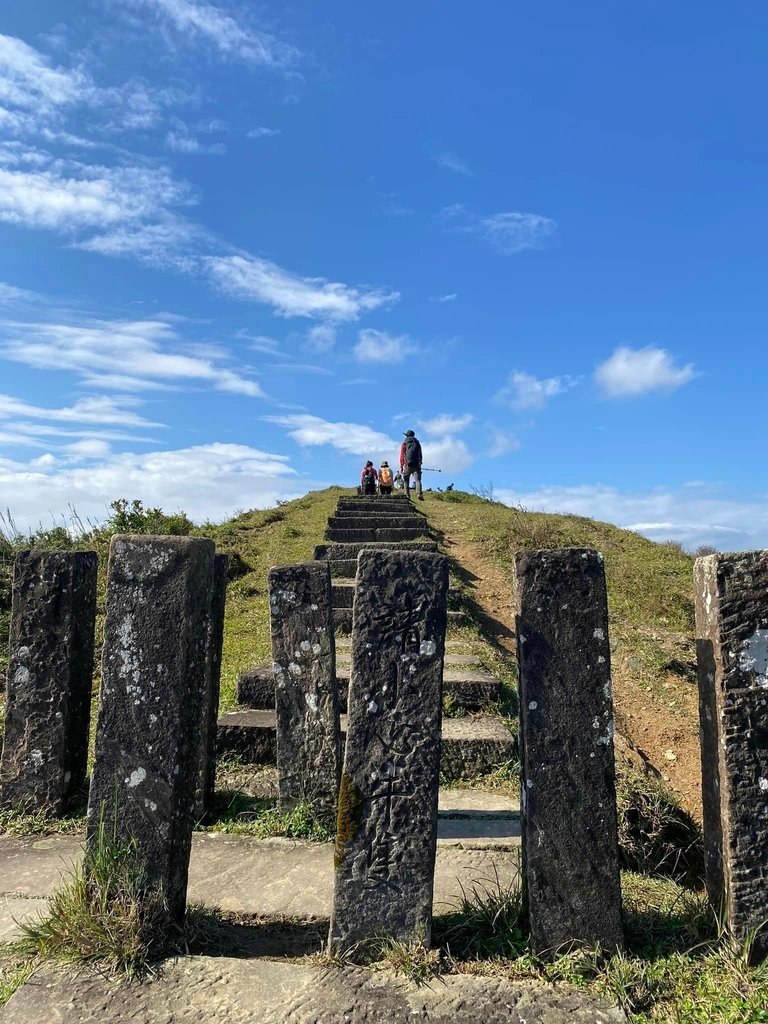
[206, 779]
[50, 673]
[306, 696]
[568, 789]
[732, 650]
[154, 678]
[387, 822]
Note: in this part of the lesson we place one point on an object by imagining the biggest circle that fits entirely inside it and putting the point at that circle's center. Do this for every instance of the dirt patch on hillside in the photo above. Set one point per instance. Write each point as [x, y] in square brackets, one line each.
[654, 676]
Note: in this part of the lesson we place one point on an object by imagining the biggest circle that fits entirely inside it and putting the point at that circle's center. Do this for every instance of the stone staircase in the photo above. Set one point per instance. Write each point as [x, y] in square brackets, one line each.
[471, 746]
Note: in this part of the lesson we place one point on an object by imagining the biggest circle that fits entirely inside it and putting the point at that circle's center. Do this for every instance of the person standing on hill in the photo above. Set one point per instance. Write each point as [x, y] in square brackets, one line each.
[410, 462]
[385, 479]
[368, 478]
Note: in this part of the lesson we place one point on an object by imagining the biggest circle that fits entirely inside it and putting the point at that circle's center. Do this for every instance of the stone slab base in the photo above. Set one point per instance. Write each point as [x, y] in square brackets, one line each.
[371, 535]
[470, 746]
[260, 991]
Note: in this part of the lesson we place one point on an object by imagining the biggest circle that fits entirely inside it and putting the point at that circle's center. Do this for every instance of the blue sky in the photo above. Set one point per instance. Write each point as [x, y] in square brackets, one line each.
[242, 248]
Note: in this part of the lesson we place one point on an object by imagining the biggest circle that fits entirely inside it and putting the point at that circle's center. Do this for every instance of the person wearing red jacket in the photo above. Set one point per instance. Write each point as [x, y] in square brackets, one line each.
[368, 478]
[410, 462]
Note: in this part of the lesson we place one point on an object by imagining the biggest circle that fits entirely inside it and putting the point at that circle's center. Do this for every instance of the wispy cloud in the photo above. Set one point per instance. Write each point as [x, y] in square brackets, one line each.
[524, 391]
[451, 162]
[445, 424]
[101, 409]
[233, 38]
[262, 133]
[508, 233]
[321, 338]
[379, 347]
[631, 372]
[500, 442]
[119, 354]
[10, 295]
[248, 277]
[447, 453]
[450, 297]
[181, 140]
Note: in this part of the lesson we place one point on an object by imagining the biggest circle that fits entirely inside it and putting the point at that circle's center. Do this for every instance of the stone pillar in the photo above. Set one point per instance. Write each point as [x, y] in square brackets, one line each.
[206, 780]
[306, 696]
[50, 674]
[567, 784]
[154, 678]
[387, 822]
[732, 650]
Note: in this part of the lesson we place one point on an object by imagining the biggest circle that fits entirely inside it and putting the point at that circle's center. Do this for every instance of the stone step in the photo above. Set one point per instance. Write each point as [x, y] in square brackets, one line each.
[380, 513]
[343, 567]
[342, 619]
[352, 550]
[362, 522]
[470, 746]
[371, 536]
[375, 502]
[471, 689]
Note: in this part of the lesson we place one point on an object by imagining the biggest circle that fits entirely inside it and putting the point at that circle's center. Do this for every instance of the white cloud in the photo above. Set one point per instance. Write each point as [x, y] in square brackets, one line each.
[450, 297]
[524, 391]
[207, 481]
[693, 514]
[28, 81]
[73, 196]
[101, 409]
[451, 162]
[379, 347]
[122, 354]
[262, 133]
[500, 442]
[321, 338]
[448, 454]
[232, 37]
[180, 141]
[445, 424]
[508, 233]
[10, 295]
[629, 372]
[248, 277]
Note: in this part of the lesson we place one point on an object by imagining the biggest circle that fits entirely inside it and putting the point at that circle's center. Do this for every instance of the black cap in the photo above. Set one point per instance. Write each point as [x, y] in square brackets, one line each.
[409, 433]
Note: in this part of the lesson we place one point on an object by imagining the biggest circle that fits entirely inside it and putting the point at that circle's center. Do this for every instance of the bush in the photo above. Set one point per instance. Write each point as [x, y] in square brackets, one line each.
[132, 517]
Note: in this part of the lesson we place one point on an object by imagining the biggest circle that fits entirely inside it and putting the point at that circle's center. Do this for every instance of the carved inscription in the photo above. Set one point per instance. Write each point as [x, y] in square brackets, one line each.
[385, 863]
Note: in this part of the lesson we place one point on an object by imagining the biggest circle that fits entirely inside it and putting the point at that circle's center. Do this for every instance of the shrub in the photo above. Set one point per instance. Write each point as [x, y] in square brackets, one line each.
[132, 517]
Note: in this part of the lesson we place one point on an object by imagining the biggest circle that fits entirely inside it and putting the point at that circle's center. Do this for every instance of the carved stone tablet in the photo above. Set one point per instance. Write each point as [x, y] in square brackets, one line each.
[387, 821]
[568, 794]
[732, 649]
[154, 678]
[50, 673]
[206, 781]
[306, 697]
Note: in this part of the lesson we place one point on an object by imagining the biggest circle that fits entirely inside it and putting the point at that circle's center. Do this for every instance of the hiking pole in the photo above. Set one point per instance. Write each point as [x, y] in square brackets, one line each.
[424, 469]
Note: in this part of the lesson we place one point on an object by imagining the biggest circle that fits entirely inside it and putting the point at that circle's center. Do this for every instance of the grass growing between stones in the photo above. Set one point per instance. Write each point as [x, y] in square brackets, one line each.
[237, 813]
[105, 912]
[676, 969]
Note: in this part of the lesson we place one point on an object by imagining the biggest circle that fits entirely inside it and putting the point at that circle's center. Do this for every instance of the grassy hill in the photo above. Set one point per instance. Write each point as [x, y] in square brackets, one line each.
[649, 588]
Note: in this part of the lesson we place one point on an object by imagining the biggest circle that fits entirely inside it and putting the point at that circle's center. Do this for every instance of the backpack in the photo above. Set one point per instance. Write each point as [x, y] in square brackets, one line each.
[368, 474]
[385, 476]
[412, 451]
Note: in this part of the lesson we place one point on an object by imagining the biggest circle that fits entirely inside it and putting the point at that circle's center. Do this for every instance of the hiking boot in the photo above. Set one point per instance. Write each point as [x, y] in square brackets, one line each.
[421, 497]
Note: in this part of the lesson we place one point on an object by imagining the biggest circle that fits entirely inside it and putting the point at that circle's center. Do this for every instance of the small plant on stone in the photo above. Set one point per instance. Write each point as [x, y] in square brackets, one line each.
[106, 912]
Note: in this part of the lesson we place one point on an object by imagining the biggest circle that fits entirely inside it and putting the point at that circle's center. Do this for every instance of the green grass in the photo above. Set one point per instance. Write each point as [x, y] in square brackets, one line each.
[238, 814]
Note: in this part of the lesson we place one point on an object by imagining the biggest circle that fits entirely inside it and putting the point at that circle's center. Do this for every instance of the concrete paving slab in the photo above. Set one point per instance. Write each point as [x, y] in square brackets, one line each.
[15, 911]
[258, 991]
[477, 803]
[266, 877]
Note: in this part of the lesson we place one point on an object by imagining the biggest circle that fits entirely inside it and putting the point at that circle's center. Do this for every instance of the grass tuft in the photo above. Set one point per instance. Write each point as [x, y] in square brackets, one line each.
[236, 813]
[656, 836]
[489, 921]
[106, 912]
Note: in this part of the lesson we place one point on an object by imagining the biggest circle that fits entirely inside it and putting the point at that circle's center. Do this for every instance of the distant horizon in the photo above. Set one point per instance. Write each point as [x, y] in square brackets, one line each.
[242, 252]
